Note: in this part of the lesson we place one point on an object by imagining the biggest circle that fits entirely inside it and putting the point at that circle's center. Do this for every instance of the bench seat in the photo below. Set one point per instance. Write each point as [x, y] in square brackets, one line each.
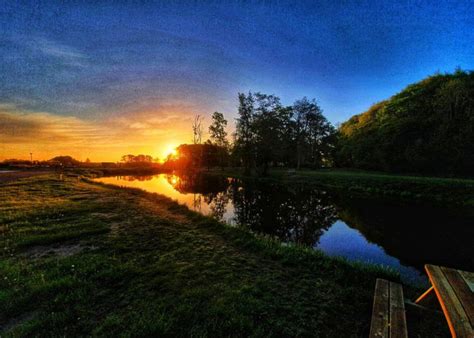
[388, 313]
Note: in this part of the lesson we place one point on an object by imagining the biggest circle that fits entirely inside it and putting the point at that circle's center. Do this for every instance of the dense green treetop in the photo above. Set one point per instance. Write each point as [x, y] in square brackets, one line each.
[426, 128]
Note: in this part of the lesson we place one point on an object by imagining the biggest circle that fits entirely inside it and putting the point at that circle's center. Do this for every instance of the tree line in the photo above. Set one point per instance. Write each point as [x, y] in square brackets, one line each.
[268, 134]
[140, 159]
[427, 128]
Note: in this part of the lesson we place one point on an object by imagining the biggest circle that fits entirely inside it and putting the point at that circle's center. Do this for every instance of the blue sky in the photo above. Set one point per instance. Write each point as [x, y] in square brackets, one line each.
[107, 61]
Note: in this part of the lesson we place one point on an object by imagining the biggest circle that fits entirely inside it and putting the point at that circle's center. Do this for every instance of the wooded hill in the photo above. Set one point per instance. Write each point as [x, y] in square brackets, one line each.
[427, 128]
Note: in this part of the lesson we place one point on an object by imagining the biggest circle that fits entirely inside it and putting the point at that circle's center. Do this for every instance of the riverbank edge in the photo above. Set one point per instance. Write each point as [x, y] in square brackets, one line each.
[276, 243]
[402, 189]
[271, 245]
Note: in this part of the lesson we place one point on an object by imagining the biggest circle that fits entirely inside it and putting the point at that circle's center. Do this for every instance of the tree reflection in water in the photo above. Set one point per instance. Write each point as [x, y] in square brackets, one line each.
[218, 203]
[415, 234]
[288, 213]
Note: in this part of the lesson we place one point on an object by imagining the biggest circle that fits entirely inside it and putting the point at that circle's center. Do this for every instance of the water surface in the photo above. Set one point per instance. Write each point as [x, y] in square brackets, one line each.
[403, 237]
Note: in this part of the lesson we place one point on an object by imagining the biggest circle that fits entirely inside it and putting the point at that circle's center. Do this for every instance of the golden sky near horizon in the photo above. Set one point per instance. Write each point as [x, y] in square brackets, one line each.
[46, 135]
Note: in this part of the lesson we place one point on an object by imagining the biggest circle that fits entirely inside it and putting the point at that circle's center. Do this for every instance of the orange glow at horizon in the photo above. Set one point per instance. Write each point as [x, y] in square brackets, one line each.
[105, 153]
[169, 151]
[48, 135]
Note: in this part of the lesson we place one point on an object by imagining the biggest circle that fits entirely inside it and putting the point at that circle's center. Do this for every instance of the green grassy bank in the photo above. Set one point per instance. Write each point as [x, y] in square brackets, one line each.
[80, 258]
[404, 188]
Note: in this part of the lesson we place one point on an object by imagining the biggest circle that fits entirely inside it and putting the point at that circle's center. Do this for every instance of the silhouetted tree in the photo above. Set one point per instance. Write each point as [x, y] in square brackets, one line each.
[244, 136]
[195, 156]
[217, 130]
[197, 129]
[137, 160]
[267, 128]
[65, 161]
[267, 133]
[218, 136]
[128, 158]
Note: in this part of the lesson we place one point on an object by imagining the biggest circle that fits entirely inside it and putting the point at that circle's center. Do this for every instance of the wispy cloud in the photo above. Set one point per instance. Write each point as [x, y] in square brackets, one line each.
[55, 49]
[45, 128]
[66, 54]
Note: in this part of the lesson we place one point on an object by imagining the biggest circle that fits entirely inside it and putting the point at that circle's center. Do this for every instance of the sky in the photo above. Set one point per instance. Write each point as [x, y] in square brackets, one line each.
[99, 79]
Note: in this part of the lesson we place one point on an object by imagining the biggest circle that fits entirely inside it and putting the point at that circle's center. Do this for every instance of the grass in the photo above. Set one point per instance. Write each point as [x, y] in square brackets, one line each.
[405, 188]
[149, 266]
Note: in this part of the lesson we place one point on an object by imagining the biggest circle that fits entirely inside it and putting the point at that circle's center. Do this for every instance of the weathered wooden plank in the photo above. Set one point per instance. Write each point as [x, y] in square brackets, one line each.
[379, 326]
[468, 278]
[462, 290]
[398, 324]
[454, 312]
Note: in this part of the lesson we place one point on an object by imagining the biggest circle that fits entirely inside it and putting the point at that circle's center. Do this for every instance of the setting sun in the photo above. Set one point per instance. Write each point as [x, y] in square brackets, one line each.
[169, 150]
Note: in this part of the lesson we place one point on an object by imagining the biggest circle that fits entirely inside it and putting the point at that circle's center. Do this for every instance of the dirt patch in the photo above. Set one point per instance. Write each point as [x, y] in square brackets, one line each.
[6, 176]
[64, 250]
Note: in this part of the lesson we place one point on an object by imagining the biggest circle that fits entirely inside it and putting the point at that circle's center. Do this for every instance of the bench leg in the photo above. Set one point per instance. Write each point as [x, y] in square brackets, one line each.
[428, 299]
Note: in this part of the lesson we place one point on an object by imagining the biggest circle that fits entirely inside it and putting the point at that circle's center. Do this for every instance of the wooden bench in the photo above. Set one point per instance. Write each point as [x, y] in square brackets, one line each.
[388, 313]
[454, 290]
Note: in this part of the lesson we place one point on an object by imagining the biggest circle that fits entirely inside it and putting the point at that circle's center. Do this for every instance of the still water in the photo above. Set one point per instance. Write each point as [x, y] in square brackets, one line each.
[403, 237]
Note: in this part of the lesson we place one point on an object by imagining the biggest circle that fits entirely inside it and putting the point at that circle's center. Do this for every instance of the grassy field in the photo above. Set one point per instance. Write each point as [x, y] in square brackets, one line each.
[80, 258]
[412, 189]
